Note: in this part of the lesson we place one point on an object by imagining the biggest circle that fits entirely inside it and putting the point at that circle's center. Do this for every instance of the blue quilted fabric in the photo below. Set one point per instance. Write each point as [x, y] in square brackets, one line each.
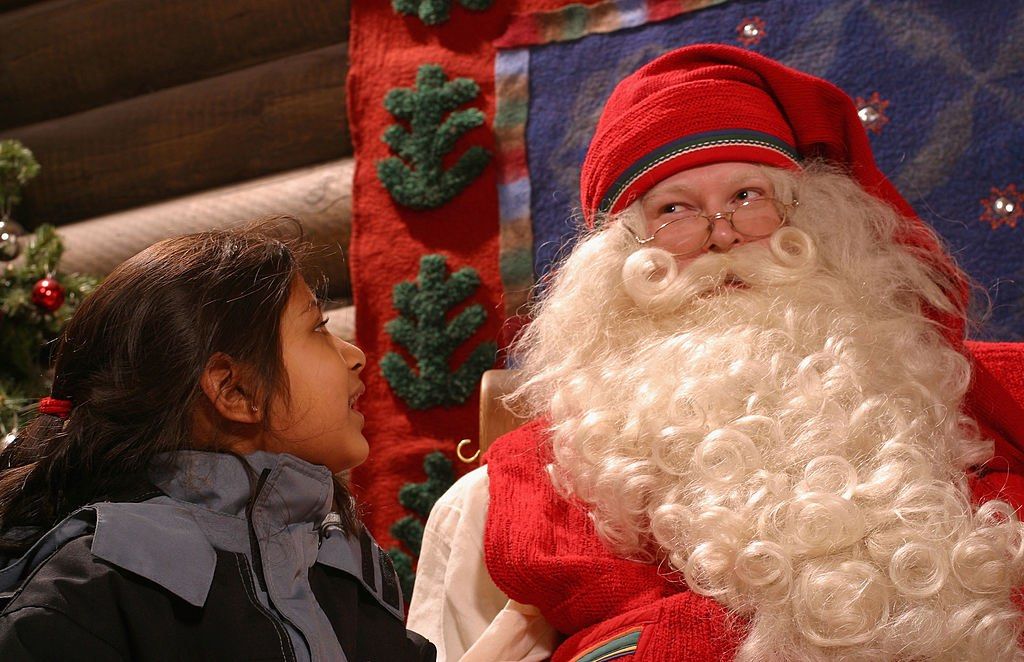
[949, 73]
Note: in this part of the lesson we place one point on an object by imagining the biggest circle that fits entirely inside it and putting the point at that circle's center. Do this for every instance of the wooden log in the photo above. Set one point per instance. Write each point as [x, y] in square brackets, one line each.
[269, 118]
[319, 196]
[7, 5]
[64, 57]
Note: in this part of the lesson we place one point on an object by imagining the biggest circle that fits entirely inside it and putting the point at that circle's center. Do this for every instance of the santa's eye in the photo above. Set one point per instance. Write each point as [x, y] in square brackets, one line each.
[676, 208]
[748, 195]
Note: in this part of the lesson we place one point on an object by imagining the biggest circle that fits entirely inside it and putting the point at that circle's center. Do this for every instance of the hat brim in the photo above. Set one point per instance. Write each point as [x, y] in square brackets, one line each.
[742, 146]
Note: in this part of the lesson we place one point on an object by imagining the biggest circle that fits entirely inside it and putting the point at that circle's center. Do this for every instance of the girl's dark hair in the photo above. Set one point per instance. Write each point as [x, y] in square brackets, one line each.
[131, 358]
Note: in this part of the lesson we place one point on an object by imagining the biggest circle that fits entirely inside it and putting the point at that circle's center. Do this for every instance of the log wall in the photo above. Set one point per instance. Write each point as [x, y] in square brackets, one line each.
[268, 118]
[156, 117]
[61, 58]
[320, 196]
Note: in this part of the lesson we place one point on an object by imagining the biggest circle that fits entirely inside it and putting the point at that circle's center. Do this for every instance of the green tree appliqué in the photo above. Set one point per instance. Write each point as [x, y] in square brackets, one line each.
[416, 177]
[435, 12]
[424, 330]
[419, 498]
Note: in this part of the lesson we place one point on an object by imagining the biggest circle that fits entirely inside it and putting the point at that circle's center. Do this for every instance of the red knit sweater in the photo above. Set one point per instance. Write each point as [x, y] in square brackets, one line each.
[542, 550]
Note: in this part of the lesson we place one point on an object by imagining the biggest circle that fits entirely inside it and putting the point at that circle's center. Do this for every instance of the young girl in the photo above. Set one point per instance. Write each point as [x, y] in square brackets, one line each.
[175, 498]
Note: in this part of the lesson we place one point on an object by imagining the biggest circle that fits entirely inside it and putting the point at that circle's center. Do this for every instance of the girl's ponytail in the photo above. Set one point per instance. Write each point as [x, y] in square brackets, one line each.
[26, 468]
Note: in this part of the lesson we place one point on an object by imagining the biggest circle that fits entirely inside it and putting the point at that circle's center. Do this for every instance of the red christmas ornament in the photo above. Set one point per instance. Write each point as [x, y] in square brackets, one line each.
[48, 294]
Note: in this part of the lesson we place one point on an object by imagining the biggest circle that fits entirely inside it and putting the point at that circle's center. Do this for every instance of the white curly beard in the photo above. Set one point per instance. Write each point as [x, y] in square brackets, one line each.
[781, 424]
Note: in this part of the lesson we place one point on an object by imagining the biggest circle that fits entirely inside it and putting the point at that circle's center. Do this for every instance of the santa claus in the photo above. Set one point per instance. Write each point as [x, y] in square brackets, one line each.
[758, 432]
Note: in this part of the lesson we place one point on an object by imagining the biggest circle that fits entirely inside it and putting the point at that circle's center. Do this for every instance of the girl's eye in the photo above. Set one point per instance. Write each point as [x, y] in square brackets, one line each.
[322, 326]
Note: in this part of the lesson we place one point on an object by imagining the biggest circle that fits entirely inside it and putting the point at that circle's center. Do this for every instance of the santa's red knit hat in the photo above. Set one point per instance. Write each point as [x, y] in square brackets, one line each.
[712, 103]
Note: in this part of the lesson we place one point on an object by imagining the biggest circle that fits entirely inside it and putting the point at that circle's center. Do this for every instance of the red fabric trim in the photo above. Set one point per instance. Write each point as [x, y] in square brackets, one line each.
[514, 165]
[684, 626]
[543, 23]
[664, 103]
[605, 640]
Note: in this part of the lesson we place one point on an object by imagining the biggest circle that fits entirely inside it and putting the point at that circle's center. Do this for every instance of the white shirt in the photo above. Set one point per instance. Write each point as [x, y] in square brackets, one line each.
[455, 603]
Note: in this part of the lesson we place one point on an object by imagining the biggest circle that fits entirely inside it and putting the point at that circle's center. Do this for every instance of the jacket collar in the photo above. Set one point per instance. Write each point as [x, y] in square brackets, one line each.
[161, 540]
[291, 490]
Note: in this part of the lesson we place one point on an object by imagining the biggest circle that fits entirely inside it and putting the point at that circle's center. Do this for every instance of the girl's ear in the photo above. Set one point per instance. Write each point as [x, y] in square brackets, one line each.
[222, 383]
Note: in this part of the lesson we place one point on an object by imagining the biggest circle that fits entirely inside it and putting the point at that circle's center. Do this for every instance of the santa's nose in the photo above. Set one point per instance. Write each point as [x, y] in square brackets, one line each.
[723, 237]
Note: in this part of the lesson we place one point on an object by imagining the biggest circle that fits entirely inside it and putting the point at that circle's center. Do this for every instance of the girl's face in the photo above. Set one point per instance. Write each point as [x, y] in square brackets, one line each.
[316, 421]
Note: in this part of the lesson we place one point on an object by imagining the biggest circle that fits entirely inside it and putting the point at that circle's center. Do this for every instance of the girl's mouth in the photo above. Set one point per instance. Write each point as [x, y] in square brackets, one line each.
[355, 397]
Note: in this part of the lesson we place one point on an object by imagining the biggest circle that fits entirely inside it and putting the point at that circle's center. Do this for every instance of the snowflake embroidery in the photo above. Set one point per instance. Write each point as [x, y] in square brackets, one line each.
[1003, 207]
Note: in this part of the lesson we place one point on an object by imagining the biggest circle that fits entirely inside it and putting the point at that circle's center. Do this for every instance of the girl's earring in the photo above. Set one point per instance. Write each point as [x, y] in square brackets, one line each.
[254, 408]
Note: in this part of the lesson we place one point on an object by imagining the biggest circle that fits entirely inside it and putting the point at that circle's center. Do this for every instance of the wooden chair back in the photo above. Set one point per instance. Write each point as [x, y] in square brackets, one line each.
[495, 418]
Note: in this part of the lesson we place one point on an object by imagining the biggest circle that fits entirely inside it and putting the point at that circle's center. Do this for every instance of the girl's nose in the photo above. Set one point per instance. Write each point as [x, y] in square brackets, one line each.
[353, 356]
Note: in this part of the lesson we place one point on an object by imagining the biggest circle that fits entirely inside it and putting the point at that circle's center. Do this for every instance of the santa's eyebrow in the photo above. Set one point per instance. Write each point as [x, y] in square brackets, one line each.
[747, 179]
[735, 181]
[680, 189]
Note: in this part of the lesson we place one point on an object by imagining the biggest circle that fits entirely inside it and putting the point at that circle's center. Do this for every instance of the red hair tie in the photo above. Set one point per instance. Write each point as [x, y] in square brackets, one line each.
[55, 406]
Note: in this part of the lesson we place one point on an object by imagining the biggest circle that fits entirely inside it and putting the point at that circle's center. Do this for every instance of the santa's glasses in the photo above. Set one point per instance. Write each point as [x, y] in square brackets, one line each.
[688, 232]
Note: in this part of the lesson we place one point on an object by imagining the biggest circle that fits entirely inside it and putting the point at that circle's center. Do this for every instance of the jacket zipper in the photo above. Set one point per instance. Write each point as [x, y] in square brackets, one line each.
[287, 650]
[257, 560]
[254, 545]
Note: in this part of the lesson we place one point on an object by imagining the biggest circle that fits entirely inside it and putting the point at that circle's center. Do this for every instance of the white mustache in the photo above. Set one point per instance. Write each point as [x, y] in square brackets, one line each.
[653, 279]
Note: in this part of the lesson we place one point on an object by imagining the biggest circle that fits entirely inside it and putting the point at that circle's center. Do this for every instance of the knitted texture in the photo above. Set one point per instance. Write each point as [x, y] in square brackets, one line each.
[542, 550]
[419, 498]
[996, 401]
[424, 330]
[385, 52]
[418, 179]
[435, 12]
[713, 87]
